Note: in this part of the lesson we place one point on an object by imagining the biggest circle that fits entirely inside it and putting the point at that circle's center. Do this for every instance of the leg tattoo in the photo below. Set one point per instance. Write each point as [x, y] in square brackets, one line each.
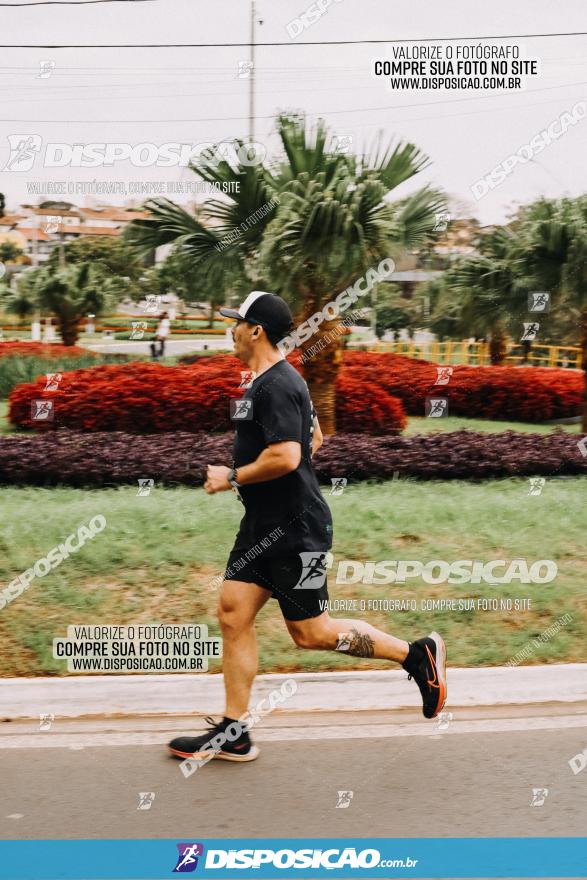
[356, 643]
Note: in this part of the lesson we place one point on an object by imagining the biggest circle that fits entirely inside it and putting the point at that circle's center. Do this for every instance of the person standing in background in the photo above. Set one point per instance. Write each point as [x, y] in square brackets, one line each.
[162, 332]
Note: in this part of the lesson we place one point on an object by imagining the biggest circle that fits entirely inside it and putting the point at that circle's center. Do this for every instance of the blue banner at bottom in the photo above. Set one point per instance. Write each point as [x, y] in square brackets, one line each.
[510, 857]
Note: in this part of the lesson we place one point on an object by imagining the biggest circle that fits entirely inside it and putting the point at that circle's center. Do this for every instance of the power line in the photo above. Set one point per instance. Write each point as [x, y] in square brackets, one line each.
[316, 113]
[282, 43]
[70, 3]
[224, 94]
[206, 70]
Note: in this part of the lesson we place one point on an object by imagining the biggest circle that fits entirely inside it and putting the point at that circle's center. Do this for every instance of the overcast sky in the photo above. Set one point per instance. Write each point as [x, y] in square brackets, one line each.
[161, 95]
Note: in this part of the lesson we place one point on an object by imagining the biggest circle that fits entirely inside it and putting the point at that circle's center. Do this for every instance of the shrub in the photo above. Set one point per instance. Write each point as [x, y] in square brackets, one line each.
[42, 350]
[152, 398]
[366, 409]
[372, 392]
[525, 394]
[112, 458]
[16, 369]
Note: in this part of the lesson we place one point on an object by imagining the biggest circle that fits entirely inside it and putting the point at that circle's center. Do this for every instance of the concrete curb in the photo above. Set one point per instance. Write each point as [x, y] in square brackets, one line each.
[164, 695]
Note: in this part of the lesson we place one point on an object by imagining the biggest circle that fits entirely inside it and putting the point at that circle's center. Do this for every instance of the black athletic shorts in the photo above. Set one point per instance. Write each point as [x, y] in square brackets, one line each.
[297, 582]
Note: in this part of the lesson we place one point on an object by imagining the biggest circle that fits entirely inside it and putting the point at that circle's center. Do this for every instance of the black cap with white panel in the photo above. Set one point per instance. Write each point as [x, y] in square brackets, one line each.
[267, 309]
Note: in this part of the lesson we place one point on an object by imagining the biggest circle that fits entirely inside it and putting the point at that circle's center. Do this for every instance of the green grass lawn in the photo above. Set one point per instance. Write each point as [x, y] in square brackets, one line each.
[422, 425]
[159, 558]
[5, 426]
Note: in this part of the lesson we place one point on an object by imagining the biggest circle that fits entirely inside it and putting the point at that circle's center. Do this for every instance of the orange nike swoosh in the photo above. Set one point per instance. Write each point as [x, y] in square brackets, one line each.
[434, 683]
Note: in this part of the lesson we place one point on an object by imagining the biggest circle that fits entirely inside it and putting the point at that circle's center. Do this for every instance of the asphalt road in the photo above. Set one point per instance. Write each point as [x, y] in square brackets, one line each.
[85, 782]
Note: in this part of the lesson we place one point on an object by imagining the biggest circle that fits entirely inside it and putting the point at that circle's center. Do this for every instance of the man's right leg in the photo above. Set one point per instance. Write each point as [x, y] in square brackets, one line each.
[239, 605]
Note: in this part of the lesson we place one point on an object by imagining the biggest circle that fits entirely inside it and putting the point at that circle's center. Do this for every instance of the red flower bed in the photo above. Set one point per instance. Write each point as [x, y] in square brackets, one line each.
[366, 409]
[372, 392]
[150, 398]
[42, 350]
[525, 394]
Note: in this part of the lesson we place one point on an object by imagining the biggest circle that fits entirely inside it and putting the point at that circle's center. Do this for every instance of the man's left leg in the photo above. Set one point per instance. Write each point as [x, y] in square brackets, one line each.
[353, 637]
[423, 659]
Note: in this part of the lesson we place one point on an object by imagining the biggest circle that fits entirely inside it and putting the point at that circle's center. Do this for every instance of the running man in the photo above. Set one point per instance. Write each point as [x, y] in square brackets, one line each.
[284, 536]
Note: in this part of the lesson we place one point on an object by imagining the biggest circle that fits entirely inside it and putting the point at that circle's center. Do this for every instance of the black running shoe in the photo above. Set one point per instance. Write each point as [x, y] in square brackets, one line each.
[204, 746]
[426, 664]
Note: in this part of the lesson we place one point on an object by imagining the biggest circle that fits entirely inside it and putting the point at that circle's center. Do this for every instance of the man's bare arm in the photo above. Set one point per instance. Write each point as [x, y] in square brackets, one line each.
[277, 460]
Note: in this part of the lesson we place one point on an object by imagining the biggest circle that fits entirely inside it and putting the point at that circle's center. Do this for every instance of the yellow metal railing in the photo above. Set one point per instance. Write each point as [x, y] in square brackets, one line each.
[477, 353]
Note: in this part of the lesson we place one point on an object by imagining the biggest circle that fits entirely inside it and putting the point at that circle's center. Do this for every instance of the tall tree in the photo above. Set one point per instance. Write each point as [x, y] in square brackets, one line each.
[70, 295]
[307, 226]
[479, 295]
[551, 255]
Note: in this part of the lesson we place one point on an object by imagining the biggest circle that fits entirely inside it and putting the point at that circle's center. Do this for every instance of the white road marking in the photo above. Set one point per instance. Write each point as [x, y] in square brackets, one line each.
[132, 738]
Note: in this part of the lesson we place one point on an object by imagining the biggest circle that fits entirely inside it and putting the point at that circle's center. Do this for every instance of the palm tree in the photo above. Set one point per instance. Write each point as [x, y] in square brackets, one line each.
[305, 226]
[552, 256]
[10, 252]
[70, 295]
[482, 295]
[23, 300]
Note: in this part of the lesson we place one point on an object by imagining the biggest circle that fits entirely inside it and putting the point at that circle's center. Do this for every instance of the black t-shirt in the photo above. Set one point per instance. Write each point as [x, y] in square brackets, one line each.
[281, 410]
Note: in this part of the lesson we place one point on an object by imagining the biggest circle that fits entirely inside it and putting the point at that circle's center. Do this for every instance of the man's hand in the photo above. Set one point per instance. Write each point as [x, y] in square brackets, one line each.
[217, 479]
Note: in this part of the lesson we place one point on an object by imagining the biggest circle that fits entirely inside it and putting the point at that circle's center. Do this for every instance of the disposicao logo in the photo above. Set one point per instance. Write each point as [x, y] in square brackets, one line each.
[187, 860]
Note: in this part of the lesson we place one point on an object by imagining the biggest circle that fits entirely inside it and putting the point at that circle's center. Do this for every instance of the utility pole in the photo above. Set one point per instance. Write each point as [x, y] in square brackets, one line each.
[252, 77]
